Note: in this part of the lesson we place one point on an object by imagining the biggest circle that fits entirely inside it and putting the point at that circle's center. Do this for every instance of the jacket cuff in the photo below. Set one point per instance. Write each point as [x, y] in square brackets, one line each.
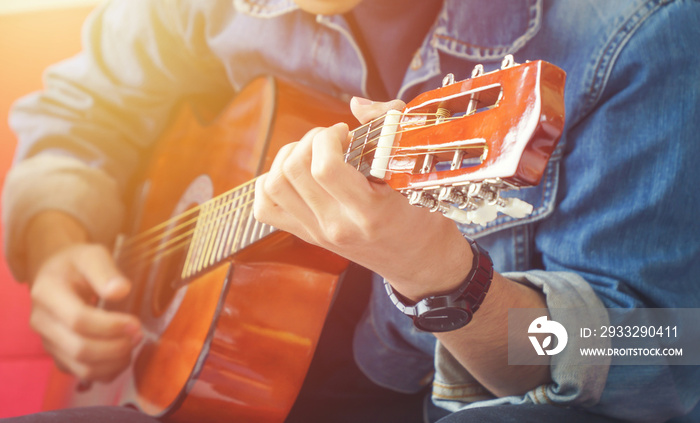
[573, 383]
[57, 182]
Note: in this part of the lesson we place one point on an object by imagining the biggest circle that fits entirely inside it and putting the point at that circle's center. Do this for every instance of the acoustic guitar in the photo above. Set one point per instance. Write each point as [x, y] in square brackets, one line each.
[232, 308]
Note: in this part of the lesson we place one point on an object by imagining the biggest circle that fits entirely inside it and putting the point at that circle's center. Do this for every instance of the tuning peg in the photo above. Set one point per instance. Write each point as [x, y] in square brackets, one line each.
[514, 207]
[483, 214]
[508, 62]
[449, 79]
[458, 215]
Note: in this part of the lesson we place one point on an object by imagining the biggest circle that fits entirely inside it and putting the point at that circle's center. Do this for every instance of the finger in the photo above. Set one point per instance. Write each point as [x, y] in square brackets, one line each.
[102, 372]
[65, 305]
[298, 170]
[266, 211]
[95, 263]
[339, 179]
[79, 348]
[277, 189]
[88, 359]
[366, 110]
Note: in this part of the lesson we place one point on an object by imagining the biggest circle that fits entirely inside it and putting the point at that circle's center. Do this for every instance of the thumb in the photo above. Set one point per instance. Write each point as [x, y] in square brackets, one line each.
[100, 271]
[365, 110]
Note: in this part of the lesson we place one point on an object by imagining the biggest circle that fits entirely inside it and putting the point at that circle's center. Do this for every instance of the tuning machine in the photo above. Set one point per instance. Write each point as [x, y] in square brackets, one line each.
[472, 203]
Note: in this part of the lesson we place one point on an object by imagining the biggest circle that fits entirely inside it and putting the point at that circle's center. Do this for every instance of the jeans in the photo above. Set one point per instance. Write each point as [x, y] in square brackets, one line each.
[524, 413]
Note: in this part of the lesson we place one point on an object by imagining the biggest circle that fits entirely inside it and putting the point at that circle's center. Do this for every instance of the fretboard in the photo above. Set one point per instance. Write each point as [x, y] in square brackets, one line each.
[226, 224]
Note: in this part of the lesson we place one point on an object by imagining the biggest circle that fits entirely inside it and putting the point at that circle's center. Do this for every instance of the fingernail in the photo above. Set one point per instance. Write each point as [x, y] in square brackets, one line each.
[362, 101]
[116, 284]
[132, 328]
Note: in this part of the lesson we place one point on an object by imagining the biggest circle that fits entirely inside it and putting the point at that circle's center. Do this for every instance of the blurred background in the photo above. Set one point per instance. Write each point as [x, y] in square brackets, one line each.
[33, 35]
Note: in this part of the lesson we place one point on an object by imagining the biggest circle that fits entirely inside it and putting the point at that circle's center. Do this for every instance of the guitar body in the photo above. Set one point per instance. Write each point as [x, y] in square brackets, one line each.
[234, 343]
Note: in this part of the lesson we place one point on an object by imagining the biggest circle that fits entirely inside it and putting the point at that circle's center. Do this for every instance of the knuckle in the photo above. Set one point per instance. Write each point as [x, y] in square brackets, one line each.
[260, 211]
[286, 149]
[292, 169]
[74, 320]
[79, 351]
[82, 372]
[91, 251]
[368, 226]
[322, 170]
[274, 185]
[338, 233]
[311, 135]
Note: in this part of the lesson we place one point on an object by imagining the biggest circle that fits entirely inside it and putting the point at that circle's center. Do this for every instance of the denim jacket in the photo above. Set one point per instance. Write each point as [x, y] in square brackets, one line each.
[614, 216]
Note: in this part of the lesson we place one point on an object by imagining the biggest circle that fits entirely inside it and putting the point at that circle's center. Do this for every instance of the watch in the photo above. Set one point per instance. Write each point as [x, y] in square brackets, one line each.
[446, 312]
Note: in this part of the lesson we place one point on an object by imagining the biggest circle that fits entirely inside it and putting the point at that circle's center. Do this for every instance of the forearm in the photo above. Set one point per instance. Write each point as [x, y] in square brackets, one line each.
[50, 182]
[482, 346]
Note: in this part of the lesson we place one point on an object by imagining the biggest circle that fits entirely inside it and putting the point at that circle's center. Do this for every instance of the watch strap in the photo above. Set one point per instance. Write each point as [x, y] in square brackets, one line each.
[468, 296]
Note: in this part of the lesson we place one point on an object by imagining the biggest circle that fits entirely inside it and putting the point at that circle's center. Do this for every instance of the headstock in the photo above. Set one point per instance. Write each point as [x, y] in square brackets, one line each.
[454, 149]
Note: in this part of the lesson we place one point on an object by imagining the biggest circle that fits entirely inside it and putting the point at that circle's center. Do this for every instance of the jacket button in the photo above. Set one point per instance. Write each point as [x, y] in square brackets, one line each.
[417, 61]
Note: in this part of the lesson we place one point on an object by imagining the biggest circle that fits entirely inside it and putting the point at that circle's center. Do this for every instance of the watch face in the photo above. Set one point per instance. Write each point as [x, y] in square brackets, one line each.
[443, 319]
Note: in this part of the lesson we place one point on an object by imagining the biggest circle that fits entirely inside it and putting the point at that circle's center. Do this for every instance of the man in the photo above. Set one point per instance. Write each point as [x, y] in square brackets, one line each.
[612, 224]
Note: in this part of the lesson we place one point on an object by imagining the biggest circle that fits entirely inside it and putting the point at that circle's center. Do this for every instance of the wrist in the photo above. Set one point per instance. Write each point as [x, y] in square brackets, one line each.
[48, 233]
[454, 309]
[439, 276]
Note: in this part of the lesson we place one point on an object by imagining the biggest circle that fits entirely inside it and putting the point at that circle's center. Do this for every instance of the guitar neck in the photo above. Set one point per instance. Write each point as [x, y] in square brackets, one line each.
[226, 224]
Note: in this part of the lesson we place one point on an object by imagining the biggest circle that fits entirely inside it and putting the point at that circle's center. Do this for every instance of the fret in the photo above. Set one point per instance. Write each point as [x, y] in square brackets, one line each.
[194, 251]
[240, 215]
[354, 149]
[265, 230]
[235, 211]
[225, 229]
[208, 217]
[250, 218]
[383, 143]
[216, 228]
[366, 146]
[362, 147]
[253, 236]
[200, 232]
[188, 258]
[226, 224]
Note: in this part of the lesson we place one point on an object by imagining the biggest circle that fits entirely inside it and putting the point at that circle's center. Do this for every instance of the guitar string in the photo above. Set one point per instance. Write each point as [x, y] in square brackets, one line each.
[136, 237]
[217, 220]
[161, 247]
[164, 249]
[131, 246]
[191, 211]
[134, 248]
[141, 235]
